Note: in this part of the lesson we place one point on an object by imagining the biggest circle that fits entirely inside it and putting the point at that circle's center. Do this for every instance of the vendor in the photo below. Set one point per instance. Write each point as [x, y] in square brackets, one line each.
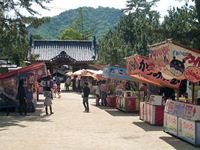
[128, 86]
[168, 93]
[144, 88]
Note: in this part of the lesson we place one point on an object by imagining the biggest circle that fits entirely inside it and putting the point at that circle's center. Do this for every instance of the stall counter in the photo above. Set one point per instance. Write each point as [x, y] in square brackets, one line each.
[152, 111]
[127, 102]
[111, 100]
[183, 120]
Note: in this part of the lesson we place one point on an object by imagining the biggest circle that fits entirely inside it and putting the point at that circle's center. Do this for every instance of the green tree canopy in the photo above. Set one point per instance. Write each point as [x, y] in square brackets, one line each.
[13, 33]
[133, 34]
[71, 34]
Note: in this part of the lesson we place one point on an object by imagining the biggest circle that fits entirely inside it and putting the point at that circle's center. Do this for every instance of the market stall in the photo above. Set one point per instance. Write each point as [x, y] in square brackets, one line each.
[182, 116]
[183, 120]
[123, 99]
[9, 84]
[152, 111]
[143, 69]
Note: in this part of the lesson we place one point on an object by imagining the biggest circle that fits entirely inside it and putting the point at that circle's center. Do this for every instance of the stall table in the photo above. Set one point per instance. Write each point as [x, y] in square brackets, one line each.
[111, 100]
[152, 111]
[127, 102]
[183, 120]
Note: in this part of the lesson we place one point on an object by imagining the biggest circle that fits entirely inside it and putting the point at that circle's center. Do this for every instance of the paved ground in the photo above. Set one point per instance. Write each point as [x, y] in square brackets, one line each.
[71, 128]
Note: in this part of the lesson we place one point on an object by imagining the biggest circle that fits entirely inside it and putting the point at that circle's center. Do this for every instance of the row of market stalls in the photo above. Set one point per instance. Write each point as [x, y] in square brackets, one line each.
[136, 87]
[169, 66]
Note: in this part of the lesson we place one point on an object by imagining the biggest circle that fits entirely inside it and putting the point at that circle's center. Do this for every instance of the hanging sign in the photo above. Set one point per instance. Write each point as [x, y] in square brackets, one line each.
[177, 60]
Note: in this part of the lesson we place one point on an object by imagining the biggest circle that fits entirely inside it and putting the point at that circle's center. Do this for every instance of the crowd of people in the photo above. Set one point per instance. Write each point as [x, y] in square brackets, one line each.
[83, 85]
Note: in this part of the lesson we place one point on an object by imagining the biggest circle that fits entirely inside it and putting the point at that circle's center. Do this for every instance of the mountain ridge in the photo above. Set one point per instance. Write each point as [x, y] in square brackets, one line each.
[101, 19]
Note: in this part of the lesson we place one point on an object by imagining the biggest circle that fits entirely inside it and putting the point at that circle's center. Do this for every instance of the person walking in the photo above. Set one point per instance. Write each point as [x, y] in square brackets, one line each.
[21, 96]
[68, 83]
[85, 95]
[58, 82]
[48, 86]
[97, 93]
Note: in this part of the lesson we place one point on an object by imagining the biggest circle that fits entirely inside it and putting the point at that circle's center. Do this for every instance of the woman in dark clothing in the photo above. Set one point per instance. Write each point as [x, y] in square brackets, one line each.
[21, 96]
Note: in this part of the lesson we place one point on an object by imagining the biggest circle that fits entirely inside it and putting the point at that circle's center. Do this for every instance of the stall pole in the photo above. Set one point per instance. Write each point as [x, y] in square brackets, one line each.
[177, 94]
[193, 90]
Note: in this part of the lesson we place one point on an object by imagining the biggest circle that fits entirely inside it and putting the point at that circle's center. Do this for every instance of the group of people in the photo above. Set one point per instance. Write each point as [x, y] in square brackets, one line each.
[51, 88]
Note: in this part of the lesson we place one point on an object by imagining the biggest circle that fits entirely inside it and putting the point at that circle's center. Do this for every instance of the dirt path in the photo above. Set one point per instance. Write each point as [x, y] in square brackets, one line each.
[71, 128]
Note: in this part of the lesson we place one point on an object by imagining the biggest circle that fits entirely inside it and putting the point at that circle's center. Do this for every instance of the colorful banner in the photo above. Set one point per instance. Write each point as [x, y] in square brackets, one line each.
[150, 70]
[177, 60]
[186, 130]
[170, 124]
[116, 73]
[9, 81]
[184, 110]
[169, 106]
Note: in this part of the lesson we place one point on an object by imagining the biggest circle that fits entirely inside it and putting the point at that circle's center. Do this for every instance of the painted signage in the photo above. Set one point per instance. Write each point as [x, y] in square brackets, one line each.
[169, 106]
[116, 73]
[179, 109]
[150, 70]
[170, 123]
[179, 61]
[186, 130]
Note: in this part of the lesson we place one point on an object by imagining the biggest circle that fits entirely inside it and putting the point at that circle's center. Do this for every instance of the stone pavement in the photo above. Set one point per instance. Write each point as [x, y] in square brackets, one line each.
[72, 129]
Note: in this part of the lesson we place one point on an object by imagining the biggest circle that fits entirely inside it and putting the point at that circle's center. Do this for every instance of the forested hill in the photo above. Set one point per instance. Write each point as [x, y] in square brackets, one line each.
[96, 20]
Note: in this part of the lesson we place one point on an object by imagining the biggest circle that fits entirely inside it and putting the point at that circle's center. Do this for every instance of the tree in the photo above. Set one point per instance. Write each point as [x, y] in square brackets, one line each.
[71, 34]
[79, 24]
[197, 5]
[13, 31]
[133, 34]
[182, 26]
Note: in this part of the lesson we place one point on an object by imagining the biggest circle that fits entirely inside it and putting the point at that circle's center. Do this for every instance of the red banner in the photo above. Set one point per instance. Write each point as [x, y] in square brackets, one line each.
[145, 67]
[30, 74]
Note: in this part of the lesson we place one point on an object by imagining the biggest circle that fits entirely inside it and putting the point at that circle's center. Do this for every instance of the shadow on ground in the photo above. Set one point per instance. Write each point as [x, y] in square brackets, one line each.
[147, 127]
[14, 119]
[178, 144]
[115, 112]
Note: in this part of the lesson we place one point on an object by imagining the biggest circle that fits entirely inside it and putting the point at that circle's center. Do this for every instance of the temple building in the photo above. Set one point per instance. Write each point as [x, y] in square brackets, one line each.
[55, 53]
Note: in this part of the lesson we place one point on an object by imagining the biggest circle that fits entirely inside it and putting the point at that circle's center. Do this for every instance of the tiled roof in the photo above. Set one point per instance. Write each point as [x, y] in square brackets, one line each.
[77, 50]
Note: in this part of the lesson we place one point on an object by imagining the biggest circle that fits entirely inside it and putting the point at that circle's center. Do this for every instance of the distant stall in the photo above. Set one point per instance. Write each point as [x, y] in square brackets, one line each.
[122, 98]
[9, 84]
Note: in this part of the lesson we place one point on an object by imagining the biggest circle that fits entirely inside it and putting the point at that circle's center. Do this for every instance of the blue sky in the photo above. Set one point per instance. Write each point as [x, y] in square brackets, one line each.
[58, 6]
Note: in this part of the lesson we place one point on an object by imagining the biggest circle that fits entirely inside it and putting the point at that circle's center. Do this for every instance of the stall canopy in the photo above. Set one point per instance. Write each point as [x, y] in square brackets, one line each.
[168, 63]
[144, 80]
[30, 74]
[95, 74]
[116, 73]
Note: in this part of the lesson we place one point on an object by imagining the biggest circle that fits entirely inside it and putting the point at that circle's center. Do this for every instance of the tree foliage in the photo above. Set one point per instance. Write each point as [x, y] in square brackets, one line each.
[141, 27]
[13, 31]
[181, 24]
[97, 22]
[71, 34]
[133, 34]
